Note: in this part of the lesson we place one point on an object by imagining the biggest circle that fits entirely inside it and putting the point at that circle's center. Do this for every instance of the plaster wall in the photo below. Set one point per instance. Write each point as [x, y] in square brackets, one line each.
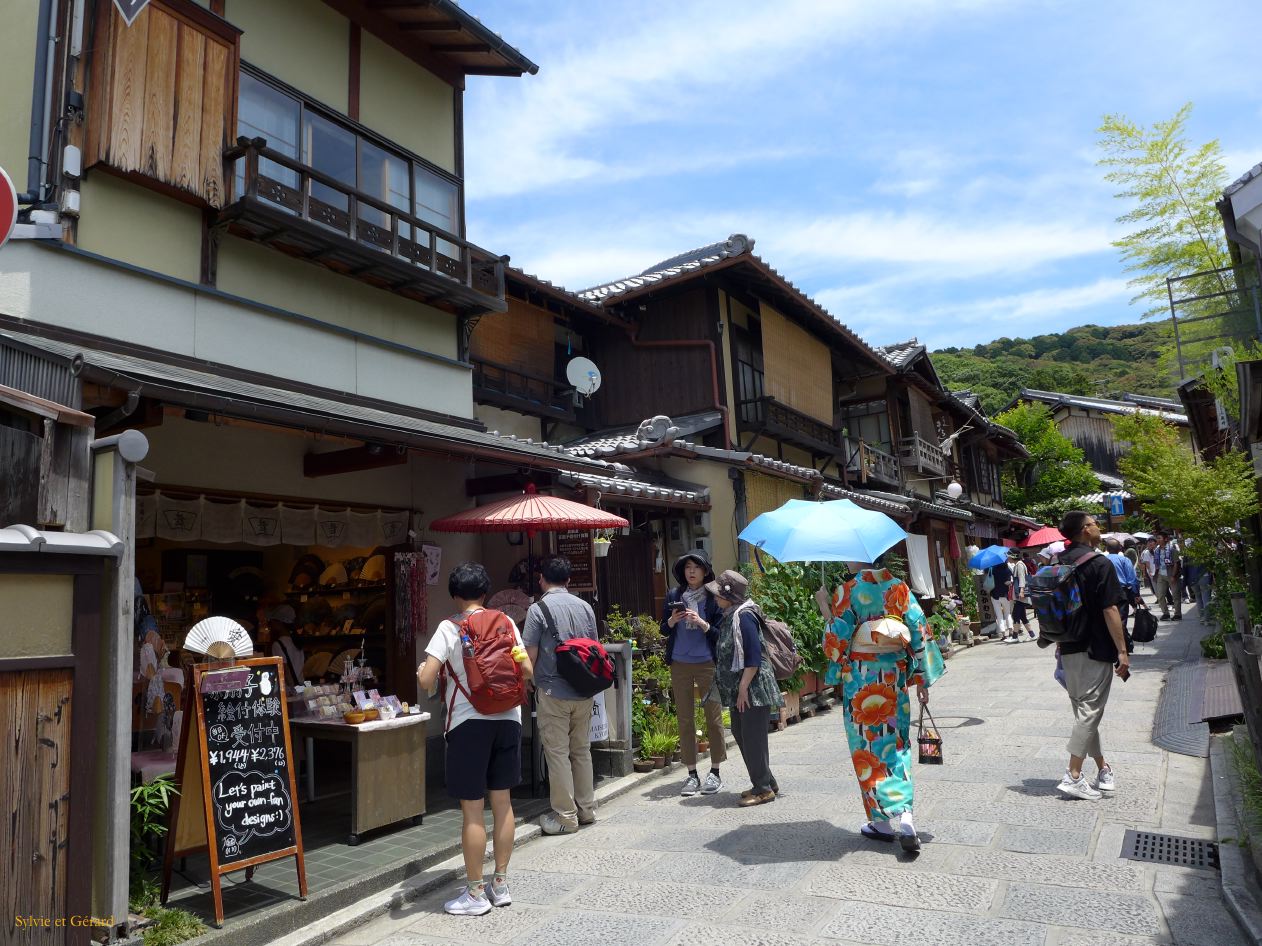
[315, 59]
[17, 78]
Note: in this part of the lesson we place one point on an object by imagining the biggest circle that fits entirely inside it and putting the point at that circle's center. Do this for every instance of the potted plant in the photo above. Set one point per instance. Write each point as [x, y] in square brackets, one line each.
[656, 746]
[701, 727]
[601, 543]
[942, 622]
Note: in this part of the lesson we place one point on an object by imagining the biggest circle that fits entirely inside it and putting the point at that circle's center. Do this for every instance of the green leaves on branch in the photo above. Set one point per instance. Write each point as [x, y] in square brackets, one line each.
[1055, 477]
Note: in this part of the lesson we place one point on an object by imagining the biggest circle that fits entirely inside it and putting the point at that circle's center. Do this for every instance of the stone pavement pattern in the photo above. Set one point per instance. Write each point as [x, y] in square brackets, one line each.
[1006, 862]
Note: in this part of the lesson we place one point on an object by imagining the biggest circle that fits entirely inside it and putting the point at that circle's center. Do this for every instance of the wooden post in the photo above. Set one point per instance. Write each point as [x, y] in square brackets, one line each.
[1240, 612]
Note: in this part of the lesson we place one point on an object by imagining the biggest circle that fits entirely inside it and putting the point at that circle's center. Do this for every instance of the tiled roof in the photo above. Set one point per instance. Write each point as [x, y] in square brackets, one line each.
[1099, 497]
[735, 245]
[968, 399]
[744, 458]
[609, 443]
[1107, 479]
[893, 506]
[560, 292]
[1161, 403]
[901, 354]
[612, 488]
[1255, 171]
[1103, 405]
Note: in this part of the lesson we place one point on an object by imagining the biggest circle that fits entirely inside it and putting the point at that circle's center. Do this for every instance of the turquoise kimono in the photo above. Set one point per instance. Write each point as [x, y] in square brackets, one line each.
[874, 687]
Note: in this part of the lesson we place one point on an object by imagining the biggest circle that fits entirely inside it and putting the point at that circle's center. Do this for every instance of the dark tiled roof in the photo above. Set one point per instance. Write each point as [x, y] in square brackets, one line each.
[735, 245]
[901, 354]
[614, 487]
[892, 506]
[608, 443]
[1103, 405]
[1255, 171]
[559, 292]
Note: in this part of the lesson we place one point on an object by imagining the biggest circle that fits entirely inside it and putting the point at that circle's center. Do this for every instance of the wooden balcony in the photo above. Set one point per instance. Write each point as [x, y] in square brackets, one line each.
[867, 464]
[768, 417]
[522, 391]
[923, 456]
[324, 220]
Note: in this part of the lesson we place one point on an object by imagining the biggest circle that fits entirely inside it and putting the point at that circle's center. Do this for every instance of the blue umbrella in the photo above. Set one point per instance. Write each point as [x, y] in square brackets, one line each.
[989, 557]
[833, 531]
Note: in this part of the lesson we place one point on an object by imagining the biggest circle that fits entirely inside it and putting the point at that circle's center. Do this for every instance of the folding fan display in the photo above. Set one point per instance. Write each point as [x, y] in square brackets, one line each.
[219, 638]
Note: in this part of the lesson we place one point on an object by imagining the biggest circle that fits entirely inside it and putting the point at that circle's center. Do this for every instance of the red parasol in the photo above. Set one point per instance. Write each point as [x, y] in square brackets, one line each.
[529, 512]
[1044, 536]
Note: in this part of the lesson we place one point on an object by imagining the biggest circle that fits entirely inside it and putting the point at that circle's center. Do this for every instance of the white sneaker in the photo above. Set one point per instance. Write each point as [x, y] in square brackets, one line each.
[468, 904]
[712, 784]
[498, 893]
[1104, 781]
[691, 786]
[1077, 788]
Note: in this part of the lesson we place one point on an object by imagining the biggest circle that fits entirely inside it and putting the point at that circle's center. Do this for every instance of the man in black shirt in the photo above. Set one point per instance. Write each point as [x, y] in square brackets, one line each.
[1091, 663]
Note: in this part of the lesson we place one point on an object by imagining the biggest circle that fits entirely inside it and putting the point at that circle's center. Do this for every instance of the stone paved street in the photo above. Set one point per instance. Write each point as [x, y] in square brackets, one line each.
[1005, 862]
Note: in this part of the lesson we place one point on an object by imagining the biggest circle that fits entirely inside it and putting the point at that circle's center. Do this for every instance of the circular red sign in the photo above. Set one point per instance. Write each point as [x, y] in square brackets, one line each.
[8, 207]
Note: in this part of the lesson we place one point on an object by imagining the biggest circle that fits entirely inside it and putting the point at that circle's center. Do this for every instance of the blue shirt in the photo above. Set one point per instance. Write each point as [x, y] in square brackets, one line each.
[1125, 571]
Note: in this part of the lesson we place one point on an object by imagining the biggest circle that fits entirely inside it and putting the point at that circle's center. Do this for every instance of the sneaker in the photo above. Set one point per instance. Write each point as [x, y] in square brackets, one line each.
[1104, 782]
[1077, 788]
[691, 786]
[468, 904]
[497, 893]
[551, 824]
[584, 820]
[1009, 640]
[712, 784]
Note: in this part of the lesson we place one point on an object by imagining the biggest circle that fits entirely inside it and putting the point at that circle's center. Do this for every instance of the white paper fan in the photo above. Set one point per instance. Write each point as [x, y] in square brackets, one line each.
[219, 638]
[512, 602]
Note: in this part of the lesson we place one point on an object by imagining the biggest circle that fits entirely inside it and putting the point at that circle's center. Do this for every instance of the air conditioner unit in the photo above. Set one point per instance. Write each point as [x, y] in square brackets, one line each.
[700, 523]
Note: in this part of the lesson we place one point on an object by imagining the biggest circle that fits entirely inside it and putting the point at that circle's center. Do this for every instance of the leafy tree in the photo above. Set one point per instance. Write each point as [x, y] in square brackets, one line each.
[1055, 477]
[1204, 501]
[1173, 187]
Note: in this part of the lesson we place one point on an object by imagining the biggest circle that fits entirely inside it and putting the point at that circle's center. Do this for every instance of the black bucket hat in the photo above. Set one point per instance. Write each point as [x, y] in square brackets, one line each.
[696, 555]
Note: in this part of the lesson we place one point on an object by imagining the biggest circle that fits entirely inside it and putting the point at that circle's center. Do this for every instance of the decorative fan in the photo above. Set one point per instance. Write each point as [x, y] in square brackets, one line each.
[512, 602]
[219, 638]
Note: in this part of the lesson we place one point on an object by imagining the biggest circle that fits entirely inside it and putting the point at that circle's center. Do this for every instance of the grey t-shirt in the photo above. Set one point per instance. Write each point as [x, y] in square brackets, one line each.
[573, 618]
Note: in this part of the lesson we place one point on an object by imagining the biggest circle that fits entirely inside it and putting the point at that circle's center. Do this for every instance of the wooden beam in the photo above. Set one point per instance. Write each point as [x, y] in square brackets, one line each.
[430, 26]
[352, 460]
[386, 30]
[504, 483]
[460, 47]
[44, 409]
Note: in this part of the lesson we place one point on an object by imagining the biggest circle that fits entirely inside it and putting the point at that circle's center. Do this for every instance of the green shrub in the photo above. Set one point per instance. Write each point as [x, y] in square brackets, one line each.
[1250, 782]
[149, 806]
[171, 927]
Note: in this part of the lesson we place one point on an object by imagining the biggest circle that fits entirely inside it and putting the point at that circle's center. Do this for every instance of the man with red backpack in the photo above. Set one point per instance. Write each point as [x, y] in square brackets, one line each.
[564, 714]
[485, 667]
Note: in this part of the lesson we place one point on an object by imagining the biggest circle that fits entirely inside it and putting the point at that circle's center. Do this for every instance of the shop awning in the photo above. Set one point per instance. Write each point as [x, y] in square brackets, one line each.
[222, 390]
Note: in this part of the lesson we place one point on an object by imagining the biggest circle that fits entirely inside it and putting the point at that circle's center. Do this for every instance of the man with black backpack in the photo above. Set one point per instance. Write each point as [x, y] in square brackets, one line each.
[1092, 646]
[564, 715]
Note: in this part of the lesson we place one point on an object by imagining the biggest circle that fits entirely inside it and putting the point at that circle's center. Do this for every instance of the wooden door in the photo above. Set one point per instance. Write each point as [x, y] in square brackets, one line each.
[35, 788]
[629, 573]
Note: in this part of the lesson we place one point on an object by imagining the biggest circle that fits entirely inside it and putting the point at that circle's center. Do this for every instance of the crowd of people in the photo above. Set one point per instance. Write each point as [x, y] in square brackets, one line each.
[877, 650]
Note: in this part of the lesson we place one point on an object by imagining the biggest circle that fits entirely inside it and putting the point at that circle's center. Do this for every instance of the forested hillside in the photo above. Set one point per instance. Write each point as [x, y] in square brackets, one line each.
[1091, 359]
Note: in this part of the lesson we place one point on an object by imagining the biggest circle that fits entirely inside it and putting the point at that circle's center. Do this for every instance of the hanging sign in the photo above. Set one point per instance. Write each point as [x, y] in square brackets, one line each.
[8, 207]
[576, 545]
[237, 796]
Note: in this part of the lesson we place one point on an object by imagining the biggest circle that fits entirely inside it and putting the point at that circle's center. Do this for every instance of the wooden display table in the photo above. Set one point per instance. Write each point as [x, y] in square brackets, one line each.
[387, 767]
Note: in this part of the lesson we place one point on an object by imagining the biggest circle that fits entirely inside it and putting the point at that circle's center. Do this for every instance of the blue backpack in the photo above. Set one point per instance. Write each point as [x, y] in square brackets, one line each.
[1057, 599]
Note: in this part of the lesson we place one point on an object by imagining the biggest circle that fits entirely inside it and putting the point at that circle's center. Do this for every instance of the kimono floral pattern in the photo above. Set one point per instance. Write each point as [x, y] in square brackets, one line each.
[874, 688]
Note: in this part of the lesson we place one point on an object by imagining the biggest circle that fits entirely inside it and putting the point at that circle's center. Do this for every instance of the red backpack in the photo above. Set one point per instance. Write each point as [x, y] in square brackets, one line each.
[495, 682]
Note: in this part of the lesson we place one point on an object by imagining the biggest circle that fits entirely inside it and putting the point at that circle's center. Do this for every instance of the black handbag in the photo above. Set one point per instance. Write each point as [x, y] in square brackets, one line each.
[1145, 631]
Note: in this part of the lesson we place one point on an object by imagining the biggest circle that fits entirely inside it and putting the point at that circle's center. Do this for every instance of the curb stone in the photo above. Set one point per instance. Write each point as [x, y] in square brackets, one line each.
[1236, 871]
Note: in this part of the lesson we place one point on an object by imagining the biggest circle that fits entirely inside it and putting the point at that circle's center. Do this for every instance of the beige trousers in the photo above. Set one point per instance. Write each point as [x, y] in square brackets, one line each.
[689, 683]
[1088, 682]
[565, 728]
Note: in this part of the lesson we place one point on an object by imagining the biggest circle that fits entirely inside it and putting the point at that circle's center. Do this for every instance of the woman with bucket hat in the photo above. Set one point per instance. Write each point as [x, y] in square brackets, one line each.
[744, 683]
[690, 623]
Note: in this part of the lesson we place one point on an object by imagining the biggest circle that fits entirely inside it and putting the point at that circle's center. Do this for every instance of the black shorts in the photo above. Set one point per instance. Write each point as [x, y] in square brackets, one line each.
[483, 755]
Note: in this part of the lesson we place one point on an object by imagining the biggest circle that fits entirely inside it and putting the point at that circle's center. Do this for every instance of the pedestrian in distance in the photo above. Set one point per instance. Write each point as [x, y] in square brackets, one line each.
[1097, 654]
[1130, 587]
[690, 624]
[744, 682]
[1166, 563]
[483, 746]
[1020, 595]
[564, 717]
[1148, 565]
[1000, 581]
[876, 648]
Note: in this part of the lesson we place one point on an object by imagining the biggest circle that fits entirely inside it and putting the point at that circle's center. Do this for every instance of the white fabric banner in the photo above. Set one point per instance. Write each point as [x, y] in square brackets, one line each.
[179, 519]
[261, 525]
[918, 566]
[600, 719]
[221, 522]
[394, 527]
[331, 527]
[365, 529]
[297, 525]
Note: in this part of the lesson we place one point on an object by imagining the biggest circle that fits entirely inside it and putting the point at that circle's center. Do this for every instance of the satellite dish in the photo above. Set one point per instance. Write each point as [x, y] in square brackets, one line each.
[584, 375]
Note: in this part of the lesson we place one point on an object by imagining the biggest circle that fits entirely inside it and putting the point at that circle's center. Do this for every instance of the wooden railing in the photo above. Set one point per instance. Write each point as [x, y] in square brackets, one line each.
[871, 463]
[402, 236]
[922, 455]
[785, 423]
[522, 390]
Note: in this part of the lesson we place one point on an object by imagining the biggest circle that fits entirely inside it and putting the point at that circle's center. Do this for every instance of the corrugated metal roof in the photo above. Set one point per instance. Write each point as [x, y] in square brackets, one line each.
[228, 395]
[1101, 404]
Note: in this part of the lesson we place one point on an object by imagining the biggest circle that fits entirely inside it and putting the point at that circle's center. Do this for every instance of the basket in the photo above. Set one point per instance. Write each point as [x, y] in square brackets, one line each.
[928, 740]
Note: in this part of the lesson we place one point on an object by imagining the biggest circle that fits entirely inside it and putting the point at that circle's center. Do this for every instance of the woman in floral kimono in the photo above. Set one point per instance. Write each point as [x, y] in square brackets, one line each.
[869, 656]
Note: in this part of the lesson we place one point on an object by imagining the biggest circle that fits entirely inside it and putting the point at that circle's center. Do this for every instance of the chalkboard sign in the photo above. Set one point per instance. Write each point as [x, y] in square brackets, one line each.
[576, 545]
[249, 765]
[235, 754]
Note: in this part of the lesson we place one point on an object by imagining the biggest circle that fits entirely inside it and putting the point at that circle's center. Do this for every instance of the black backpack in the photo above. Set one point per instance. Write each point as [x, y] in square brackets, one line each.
[1057, 597]
[1145, 626]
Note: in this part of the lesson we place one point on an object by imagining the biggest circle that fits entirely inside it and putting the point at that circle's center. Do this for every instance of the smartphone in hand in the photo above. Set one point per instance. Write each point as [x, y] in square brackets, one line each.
[1125, 674]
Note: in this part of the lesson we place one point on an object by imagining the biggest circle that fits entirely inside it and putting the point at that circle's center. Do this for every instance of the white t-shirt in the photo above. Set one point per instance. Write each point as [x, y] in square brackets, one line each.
[1146, 559]
[445, 645]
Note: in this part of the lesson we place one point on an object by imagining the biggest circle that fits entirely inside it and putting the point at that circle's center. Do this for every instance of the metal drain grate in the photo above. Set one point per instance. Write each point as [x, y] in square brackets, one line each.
[1169, 849]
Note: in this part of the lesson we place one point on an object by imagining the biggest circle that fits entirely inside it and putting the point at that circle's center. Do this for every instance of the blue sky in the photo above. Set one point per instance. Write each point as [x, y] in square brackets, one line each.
[920, 167]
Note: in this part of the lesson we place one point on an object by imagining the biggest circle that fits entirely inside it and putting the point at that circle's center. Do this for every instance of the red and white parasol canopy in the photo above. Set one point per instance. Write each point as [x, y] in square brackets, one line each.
[529, 512]
[1044, 536]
